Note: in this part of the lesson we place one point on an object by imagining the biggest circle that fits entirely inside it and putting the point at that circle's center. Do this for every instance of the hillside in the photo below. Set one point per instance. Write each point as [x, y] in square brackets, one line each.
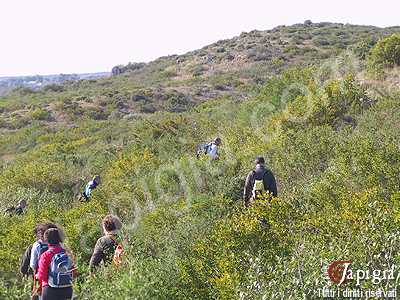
[228, 68]
[319, 101]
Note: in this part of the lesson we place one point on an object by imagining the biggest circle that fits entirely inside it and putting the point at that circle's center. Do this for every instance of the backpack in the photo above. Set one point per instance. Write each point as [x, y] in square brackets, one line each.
[24, 268]
[60, 271]
[203, 149]
[19, 210]
[258, 187]
[43, 248]
[118, 254]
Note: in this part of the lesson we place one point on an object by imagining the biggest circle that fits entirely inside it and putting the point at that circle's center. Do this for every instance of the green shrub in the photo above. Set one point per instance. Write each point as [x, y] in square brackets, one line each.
[320, 41]
[148, 108]
[53, 88]
[24, 91]
[363, 48]
[40, 114]
[331, 104]
[386, 53]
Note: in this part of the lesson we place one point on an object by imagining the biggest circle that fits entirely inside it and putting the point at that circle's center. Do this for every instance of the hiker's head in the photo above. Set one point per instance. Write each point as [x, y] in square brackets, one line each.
[111, 224]
[53, 236]
[41, 228]
[39, 231]
[22, 203]
[217, 141]
[259, 160]
[49, 225]
[96, 179]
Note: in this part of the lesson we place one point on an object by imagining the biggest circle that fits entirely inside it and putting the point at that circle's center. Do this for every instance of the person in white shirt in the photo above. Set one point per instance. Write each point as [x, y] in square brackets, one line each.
[39, 246]
[212, 149]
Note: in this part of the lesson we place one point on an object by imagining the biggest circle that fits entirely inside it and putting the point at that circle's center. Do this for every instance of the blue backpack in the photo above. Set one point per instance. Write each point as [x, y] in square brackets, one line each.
[43, 247]
[60, 272]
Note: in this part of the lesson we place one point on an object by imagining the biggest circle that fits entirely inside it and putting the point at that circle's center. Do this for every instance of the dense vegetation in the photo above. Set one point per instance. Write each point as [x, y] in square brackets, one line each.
[329, 131]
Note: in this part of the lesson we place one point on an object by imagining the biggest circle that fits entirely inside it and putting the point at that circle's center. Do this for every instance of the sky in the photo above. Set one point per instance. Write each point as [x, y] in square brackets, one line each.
[84, 36]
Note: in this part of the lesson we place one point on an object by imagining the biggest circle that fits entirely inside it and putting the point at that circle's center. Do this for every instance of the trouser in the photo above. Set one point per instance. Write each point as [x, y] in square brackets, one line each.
[83, 197]
[50, 293]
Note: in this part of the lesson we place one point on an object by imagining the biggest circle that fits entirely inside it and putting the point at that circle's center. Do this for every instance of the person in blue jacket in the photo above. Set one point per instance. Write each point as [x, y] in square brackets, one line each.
[90, 186]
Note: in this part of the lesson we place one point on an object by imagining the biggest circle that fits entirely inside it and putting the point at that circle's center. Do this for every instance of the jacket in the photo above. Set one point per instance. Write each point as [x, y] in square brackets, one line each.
[103, 251]
[257, 174]
[91, 185]
[44, 264]
[212, 150]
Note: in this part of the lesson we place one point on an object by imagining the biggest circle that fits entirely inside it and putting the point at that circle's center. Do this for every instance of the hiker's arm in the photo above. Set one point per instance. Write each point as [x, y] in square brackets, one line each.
[247, 190]
[97, 256]
[271, 185]
[96, 259]
[34, 256]
[43, 270]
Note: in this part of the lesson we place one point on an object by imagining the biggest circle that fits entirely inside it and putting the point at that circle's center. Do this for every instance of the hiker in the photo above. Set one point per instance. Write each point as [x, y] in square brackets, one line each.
[56, 268]
[210, 149]
[39, 246]
[260, 183]
[16, 210]
[106, 246]
[90, 186]
[25, 268]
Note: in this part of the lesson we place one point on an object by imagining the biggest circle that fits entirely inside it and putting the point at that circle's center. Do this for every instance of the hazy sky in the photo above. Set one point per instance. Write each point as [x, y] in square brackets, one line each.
[77, 36]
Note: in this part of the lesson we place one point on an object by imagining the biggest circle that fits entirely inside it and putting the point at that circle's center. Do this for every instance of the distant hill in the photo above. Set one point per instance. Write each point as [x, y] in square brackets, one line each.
[38, 81]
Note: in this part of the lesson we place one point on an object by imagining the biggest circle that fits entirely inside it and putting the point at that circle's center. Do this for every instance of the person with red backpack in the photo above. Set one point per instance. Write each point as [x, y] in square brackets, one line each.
[107, 247]
[260, 183]
[30, 259]
[56, 268]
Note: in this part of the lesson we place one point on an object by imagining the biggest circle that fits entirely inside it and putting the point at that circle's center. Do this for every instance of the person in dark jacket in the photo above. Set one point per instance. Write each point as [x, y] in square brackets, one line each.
[259, 182]
[18, 210]
[105, 246]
